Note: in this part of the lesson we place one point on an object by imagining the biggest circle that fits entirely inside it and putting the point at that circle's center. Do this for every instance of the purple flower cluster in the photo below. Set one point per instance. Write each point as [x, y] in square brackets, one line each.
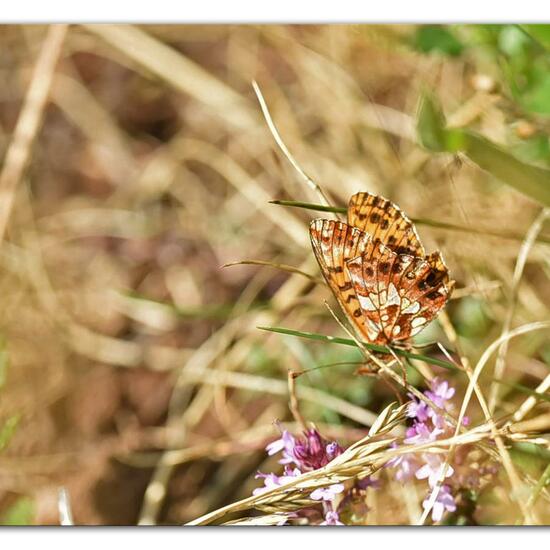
[307, 453]
[311, 451]
[300, 455]
[429, 423]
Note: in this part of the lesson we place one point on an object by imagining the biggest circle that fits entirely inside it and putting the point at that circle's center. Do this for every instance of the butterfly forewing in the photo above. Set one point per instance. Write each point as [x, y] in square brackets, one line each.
[441, 272]
[384, 221]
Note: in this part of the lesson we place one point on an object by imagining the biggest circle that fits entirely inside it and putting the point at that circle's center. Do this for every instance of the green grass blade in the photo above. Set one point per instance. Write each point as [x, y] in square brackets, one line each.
[311, 206]
[372, 347]
[541, 484]
[419, 221]
[430, 125]
[20, 513]
[532, 449]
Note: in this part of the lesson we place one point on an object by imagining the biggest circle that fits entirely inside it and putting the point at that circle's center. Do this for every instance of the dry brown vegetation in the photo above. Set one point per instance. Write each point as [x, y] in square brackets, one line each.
[136, 374]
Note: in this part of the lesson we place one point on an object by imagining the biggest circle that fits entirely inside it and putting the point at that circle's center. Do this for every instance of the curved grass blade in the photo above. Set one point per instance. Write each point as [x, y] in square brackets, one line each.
[282, 267]
[372, 347]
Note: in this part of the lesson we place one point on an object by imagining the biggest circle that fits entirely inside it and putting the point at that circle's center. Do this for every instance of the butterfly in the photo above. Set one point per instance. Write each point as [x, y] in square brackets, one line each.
[378, 270]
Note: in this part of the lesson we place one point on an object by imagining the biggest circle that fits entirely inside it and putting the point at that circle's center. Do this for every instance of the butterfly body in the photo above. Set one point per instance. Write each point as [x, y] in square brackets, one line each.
[378, 270]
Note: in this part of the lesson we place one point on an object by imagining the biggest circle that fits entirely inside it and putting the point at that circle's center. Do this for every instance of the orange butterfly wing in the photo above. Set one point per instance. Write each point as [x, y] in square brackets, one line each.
[377, 269]
[334, 244]
[384, 221]
[397, 293]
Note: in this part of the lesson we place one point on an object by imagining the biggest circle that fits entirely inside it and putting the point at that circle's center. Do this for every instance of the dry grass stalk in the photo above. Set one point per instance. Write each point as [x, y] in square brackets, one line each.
[28, 123]
[353, 463]
[360, 460]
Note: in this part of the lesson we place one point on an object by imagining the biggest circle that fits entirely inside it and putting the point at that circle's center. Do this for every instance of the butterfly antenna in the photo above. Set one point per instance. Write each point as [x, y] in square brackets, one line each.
[318, 367]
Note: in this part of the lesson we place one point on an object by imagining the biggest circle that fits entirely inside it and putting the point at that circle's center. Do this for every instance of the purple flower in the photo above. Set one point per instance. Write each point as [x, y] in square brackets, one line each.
[327, 493]
[444, 502]
[433, 469]
[271, 480]
[286, 444]
[299, 455]
[406, 464]
[418, 410]
[332, 518]
[333, 450]
[312, 452]
[420, 433]
[428, 425]
[440, 392]
[309, 452]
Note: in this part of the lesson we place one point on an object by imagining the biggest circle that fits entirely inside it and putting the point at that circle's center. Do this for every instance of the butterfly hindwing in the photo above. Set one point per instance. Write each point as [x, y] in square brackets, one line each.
[334, 243]
[371, 276]
[398, 293]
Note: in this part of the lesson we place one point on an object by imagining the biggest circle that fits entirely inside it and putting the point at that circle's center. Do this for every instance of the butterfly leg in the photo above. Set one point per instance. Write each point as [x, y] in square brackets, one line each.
[401, 365]
[368, 369]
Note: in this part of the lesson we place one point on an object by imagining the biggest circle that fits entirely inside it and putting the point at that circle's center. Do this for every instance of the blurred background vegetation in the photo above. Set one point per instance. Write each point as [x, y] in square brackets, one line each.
[131, 369]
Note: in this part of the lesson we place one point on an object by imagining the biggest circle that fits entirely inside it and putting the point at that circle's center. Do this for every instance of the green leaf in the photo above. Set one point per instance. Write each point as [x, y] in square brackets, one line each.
[470, 318]
[437, 38]
[512, 40]
[21, 512]
[540, 33]
[537, 97]
[530, 457]
[528, 179]
[525, 178]
[430, 125]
